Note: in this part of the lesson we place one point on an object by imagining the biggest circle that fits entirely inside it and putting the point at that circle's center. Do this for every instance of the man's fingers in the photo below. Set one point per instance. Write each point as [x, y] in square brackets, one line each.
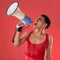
[20, 23]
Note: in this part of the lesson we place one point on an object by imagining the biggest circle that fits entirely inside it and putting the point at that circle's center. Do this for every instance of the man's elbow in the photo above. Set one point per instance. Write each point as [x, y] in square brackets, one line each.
[16, 45]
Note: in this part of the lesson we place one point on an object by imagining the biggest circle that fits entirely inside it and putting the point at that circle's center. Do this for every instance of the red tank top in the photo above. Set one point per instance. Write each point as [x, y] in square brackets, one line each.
[36, 51]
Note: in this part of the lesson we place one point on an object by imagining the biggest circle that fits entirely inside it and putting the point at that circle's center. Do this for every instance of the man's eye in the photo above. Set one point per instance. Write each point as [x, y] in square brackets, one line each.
[39, 18]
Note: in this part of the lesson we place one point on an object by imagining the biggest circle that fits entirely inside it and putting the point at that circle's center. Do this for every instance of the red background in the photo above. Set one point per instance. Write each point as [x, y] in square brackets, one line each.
[32, 8]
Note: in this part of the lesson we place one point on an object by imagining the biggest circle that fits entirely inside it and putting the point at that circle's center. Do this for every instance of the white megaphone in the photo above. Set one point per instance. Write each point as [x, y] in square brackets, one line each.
[14, 10]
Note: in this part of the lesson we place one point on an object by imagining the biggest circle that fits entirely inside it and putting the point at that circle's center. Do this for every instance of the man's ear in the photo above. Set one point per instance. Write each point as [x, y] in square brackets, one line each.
[45, 25]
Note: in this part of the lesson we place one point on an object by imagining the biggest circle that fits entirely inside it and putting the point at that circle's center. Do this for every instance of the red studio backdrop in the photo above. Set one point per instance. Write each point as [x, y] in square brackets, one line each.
[32, 8]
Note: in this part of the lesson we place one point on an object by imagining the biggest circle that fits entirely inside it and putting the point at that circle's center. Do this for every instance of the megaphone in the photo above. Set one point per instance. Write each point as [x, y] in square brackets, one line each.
[13, 10]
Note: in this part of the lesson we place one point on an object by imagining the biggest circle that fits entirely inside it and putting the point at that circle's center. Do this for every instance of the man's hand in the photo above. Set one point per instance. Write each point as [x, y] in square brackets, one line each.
[20, 23]
[19, 26]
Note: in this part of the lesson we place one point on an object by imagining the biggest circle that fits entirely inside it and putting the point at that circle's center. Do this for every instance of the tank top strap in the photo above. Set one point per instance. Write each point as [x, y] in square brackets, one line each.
[29, 36]
[47, 38]
[30, 33]
[46, 35]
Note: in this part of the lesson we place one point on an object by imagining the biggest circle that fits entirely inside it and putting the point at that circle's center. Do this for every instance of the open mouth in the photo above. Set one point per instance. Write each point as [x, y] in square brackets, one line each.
[35, 24]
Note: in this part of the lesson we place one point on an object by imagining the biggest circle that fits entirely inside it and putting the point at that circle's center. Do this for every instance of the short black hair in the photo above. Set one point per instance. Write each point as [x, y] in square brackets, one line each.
[47, 20]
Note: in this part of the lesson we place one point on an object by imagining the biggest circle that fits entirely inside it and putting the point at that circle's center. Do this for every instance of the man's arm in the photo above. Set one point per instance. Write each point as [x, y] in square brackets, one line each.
[49, 48]
[17, 39]
[20, 40]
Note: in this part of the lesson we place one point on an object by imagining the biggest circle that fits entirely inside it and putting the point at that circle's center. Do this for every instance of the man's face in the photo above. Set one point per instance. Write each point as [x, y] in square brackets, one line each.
[40, 22]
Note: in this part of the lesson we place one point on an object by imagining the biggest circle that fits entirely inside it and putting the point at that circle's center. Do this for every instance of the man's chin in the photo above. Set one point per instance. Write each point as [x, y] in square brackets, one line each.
[35, 28]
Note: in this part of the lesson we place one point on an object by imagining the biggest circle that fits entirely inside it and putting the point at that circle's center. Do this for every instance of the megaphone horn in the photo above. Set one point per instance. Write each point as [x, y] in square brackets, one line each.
[13, 10]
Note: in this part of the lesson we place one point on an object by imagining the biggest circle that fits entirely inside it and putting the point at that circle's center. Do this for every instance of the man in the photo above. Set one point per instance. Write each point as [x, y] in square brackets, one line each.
[37, 41]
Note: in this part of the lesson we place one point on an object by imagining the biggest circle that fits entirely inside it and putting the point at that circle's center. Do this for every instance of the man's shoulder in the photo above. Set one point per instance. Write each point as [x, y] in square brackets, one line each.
[27, 33]
[50, 37]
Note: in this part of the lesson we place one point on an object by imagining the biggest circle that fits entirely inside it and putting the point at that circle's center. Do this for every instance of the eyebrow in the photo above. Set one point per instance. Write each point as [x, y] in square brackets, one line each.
[39, 18]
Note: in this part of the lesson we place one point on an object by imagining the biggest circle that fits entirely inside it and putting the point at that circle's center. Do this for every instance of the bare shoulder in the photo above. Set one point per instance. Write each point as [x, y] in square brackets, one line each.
[25, 34]
[50, 39]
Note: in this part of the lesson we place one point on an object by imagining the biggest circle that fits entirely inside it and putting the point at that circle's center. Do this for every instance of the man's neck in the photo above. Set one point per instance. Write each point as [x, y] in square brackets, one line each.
[39, 31]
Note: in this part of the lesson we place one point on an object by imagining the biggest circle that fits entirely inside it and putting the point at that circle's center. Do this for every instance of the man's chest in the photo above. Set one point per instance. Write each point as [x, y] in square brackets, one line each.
[37, 39]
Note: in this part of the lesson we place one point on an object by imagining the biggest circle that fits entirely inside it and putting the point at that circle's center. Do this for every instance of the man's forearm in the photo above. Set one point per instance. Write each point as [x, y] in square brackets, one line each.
[17, 38]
